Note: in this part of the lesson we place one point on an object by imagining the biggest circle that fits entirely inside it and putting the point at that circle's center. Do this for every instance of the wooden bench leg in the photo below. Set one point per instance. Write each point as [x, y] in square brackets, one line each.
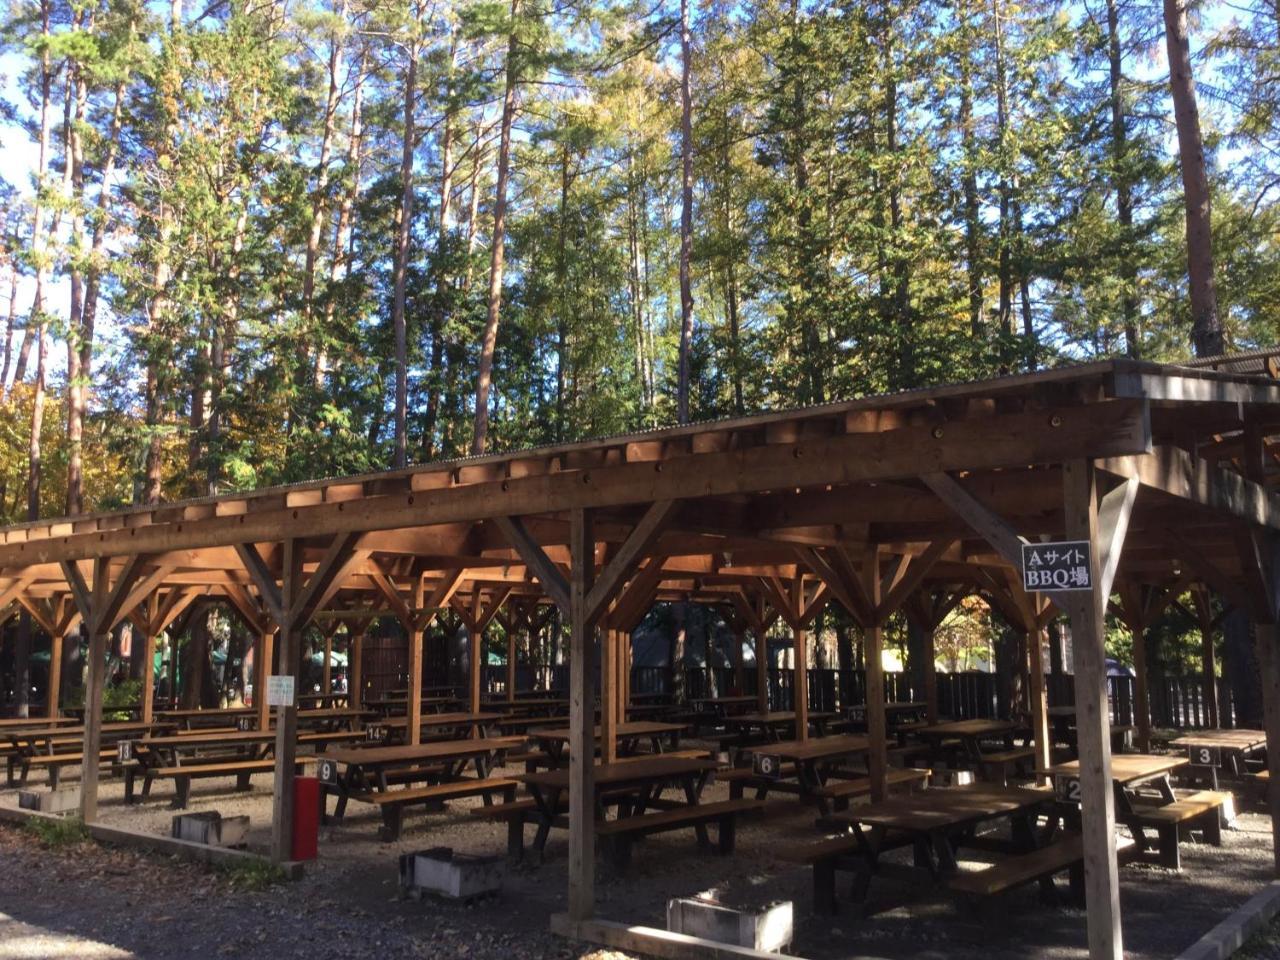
[1213, 827]
[515, 837]
[146, 785]
[55, 775]
[727, 834]
[242, 782]
[824, 886]
[129, 774]
[735, 790]
[1170, 856]
[618, 850]
[182, 787]
[392, 819]
[1075, 884]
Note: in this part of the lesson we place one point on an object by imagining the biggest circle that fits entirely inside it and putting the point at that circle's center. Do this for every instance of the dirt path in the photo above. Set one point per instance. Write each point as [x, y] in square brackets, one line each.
[88, 901]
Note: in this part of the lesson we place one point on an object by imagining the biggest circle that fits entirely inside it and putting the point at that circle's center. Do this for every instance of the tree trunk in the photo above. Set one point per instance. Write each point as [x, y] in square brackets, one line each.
[403, 235]
[484, 375]
[440, 310]
[1206, 327]
[1123, 182]
[686, 215]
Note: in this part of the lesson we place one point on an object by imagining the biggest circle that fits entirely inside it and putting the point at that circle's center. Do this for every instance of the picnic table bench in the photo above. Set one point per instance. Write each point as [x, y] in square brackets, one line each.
[775, 724]
[1210, 750]
[53, 747]
[452, 725]
[554, 740]
[803, 767]
[1145, 800]
[933, 822]
[964, 742]
[632, 785]
[372, 771]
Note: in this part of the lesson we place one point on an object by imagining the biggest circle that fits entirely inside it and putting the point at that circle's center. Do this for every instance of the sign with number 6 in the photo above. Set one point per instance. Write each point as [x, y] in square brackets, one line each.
[767, 765]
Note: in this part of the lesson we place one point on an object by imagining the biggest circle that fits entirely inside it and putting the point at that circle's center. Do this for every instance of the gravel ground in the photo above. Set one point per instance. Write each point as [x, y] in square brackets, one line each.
[349, 898]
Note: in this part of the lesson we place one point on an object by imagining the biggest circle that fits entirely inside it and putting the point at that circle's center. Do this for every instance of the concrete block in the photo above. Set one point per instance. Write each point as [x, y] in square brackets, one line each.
[459, 876]
[61, 800]
[768, 929]
[952, 778]
[211, 829]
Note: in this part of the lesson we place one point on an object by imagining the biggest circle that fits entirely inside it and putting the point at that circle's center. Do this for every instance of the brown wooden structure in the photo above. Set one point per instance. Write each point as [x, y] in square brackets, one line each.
[902, 501]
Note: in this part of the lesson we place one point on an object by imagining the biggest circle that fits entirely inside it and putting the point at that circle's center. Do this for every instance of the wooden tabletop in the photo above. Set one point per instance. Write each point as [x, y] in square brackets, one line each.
[633, 728]
[775, 717]
[1225, 739]
[230, 737]
[1125, 767]
[123, 726]
[968, 728]
[440, 720]
[207, 712]
[816, 748]
[1066, 711]
[408, 753]
[625, 771]
[946, 807]
[27, 722]
[714, 701]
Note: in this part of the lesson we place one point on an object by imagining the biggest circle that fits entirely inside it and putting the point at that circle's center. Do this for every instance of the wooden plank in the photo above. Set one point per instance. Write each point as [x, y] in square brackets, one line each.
[336, 564]
[628, 557]
[800, 645]
[94, 682]
[1268, 647]
[1113, 523]
[263, 658]
[263, 579]
[1105, 429]
[1131, 613]
[1173, 471]
[286, 748]
[548, 574]
[54, 695]
[873, 641]
[608, 696]
[1097, 800]
[651, 941]
[917, 569]
[581, 718]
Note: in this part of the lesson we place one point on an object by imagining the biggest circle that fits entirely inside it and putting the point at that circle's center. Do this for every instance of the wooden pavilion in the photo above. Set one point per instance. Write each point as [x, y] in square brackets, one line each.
[903, 501]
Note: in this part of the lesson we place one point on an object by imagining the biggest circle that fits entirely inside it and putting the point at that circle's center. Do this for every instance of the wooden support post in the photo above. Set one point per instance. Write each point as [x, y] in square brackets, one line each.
[326, 671]
[581, 719]
[800, 675]
[930, 650]
[286, 750]
[148, 676]
[1204, 616]
[413, 703]
[762, 671]
[873, 638]
[511, 665]
[1039, 699]
[262, 668]
[355, 672]
[476, 650]
[609, 696]
[54, 696]
[739, 656]
[1132, 607]
[94, 683]
[1097, 801]
[1267, 636]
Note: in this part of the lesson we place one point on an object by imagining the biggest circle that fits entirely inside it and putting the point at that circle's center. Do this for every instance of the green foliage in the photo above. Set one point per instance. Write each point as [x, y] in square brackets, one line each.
[58, 832]
[252, 874]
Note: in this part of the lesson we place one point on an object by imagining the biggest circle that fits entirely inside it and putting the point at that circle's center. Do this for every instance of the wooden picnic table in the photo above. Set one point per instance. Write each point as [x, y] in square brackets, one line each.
[970, 733]
[399, 706]
[382, 729]
[814, 761]
[1210, 749]
[553, 740]
[896, 712]
[21, 744]
[937, 821]
[1128, 771]
[776, 723]
[208, 716]
[529, 706]
[636, 782]
[323, 699]
[722, 707]
[374, 768]
[9, 722]
[332, 718]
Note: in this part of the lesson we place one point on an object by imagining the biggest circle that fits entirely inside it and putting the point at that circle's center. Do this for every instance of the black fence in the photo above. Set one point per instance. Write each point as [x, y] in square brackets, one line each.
[1175, 701]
